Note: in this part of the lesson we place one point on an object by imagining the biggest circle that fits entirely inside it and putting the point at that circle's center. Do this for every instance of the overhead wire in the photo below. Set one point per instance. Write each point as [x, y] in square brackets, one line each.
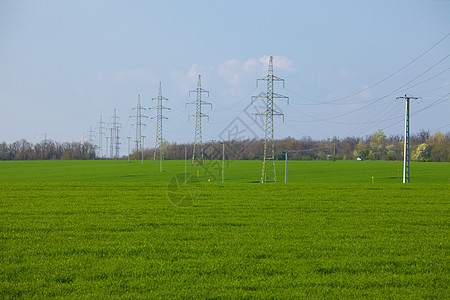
[318, 102]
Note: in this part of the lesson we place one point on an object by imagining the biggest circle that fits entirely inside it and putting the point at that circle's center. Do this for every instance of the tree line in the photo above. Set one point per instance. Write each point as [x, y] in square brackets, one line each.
[46, 150]
[424, 147]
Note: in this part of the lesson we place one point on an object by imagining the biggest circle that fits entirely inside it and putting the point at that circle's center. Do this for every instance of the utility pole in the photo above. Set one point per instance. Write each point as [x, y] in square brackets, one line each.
[82, 143]
[285, 166]
[198, 121]
[129, 138]
[406, 150]
[143, 137]
[334, 150]
[223, 162]
[159, 118]
[138, 124]
[268, 169]
[100, 128]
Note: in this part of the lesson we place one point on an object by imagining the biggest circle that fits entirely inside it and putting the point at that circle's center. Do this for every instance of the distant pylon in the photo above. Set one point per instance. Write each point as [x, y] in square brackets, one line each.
[159, 119]
[198, 157]
[138, 124]
[115, 137]
[100, 128]
[91, 135]
[268, 169]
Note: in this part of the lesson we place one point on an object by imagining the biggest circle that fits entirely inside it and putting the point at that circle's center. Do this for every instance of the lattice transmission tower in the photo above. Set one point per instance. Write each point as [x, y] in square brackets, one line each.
[115, 136]
[159, 119]
[138, 124]
[197, 154]
[268, 169]
[91, 136]
[100, 133]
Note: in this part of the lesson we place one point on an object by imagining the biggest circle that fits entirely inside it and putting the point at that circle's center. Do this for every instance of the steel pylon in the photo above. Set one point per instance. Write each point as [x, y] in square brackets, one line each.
[197, 154]
[159, 120]
[138, 124]
[268, 173]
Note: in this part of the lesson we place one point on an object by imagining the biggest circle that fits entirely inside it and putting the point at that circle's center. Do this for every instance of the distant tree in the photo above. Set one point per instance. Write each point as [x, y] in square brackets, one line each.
[440, 152]
[438, 137]
[361, 150]
[378, 137]
[421, 153]
[394, 152]
[420, 138]
[5, 153]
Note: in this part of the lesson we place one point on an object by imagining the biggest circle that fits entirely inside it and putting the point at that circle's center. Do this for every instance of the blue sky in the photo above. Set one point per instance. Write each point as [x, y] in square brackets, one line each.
[65, 63]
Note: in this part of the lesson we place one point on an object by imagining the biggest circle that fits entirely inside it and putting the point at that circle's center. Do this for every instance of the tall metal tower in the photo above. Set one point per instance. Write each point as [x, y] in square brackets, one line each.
[115, 137]
[268, 170]
[159, 119]
[100, 128]
[198, 157]
[111, 143]
[107, 143]
[406, 150]
[138, 123]
[91, 134]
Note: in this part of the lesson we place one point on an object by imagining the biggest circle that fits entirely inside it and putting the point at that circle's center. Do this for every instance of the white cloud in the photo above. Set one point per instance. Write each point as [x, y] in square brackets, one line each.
[188, 80]
[366, 92]
[234, 71]
[193, 72]
[279, 62]
[231, 71]
[250, 65]
[346, 74]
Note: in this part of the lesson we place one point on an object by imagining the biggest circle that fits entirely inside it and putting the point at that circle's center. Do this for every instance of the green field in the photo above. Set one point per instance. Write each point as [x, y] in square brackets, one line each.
[235, 171]
[109, 229]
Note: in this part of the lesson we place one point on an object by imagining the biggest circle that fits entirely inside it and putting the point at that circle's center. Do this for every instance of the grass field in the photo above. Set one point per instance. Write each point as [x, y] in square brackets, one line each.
[111, 229]
[235, 171]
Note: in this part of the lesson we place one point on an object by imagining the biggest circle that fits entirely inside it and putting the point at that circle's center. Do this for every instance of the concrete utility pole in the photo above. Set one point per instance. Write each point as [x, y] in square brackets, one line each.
[159, 118]
[406, 150]
[268, 169]
[223, 162]
[285, 166]
[198, 157]
[185, 164]
[143, 137]
[138, 124]
[129, 138]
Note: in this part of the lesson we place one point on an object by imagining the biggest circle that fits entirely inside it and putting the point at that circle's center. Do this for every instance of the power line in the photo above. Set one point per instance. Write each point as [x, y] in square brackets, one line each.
[378, 82]
[385, 96]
